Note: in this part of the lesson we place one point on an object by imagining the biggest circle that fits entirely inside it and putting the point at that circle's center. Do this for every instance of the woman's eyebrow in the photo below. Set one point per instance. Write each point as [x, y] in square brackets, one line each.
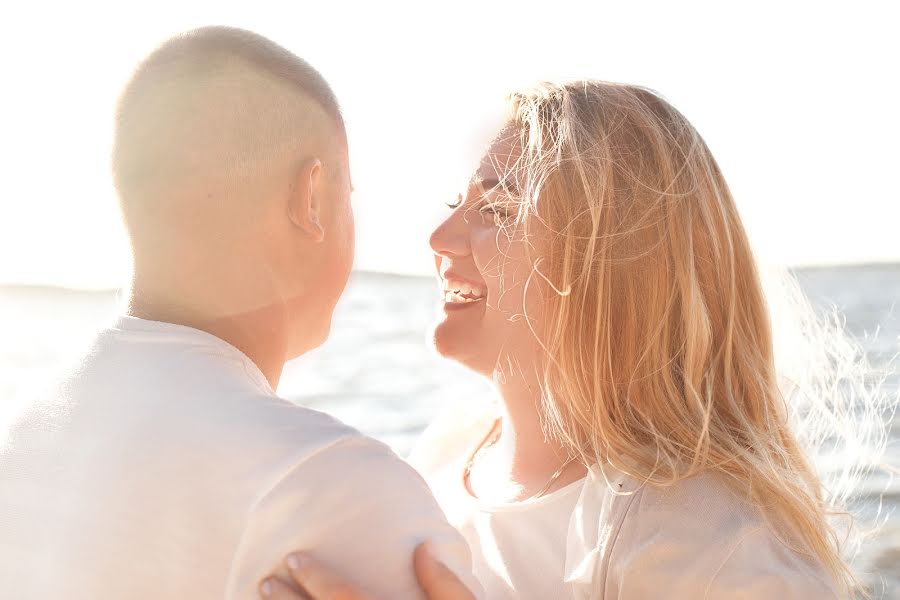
[484, 184]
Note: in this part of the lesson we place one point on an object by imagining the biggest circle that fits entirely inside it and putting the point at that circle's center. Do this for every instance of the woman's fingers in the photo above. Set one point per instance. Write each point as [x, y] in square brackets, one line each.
[436, 580]
[275, 589]
[318, 581]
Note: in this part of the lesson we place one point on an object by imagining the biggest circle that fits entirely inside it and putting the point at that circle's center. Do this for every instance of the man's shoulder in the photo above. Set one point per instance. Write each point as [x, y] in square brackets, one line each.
[276, 422]
[314, 461]
[329, 444]
[350, 499]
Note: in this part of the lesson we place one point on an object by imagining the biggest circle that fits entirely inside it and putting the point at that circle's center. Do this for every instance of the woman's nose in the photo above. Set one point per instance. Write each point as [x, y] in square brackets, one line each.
[451, 238]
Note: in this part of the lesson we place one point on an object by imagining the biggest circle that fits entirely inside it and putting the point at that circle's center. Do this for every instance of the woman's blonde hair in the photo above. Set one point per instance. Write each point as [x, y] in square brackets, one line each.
[662, 357]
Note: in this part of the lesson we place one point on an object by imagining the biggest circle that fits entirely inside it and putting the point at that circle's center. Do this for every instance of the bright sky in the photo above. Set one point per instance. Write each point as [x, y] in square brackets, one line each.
[798, 102]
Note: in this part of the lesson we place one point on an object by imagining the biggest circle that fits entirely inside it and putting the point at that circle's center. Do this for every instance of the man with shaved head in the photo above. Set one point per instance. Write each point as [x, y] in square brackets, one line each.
[166, 466]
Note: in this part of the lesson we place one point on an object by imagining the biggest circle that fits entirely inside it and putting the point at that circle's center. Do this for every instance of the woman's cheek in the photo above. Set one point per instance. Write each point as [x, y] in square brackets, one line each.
[504, 265]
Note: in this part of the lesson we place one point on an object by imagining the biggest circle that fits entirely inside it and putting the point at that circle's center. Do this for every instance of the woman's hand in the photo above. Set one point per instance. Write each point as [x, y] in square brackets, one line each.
[320, 583]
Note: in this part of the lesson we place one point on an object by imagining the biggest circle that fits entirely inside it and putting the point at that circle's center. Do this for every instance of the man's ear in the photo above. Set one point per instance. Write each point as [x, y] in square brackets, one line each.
[305, 201]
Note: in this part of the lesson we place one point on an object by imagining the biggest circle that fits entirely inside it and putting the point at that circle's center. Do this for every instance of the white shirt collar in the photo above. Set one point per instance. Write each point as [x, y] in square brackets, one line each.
[183, 333]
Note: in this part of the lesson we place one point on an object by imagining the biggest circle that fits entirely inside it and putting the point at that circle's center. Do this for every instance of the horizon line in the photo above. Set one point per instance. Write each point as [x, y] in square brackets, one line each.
[407, 275]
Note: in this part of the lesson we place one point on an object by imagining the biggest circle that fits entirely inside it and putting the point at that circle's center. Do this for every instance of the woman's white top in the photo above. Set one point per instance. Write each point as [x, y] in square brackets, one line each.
[167, 468]
[607, 537]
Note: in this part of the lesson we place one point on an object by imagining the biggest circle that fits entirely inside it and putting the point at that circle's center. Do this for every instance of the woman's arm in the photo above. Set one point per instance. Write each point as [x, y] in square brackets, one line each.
[320, 583]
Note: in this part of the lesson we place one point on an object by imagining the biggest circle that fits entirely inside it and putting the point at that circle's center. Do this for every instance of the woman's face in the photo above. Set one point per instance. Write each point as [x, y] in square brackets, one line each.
[484, 267]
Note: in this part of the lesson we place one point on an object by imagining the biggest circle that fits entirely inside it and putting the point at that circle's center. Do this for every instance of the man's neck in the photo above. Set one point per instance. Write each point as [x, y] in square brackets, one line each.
[258, 333]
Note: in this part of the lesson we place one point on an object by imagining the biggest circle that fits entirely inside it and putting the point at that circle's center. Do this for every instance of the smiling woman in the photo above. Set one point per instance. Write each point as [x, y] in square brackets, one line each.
[624, 324]
[598, 272]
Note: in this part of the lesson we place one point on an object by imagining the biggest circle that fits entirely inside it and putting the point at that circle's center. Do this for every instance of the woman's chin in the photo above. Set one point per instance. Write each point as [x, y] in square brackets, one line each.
[456, 344]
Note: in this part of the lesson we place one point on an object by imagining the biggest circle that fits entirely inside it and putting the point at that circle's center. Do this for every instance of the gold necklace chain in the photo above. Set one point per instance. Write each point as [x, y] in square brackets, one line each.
[553, 479]
[492, 438]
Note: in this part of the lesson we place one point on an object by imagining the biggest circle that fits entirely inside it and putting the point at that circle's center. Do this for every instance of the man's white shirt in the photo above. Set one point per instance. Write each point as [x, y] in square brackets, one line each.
[166, 467]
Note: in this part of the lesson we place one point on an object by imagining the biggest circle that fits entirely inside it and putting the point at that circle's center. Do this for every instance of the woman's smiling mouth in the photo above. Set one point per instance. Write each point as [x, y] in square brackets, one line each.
[461, 292]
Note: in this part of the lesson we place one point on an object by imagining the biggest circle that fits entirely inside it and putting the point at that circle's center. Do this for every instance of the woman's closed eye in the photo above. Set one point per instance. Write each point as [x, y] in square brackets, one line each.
[501, 212]
[494, 208]
[456, 204]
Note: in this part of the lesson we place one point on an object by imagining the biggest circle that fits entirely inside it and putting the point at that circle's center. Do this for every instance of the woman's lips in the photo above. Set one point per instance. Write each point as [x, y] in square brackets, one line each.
[455, 306]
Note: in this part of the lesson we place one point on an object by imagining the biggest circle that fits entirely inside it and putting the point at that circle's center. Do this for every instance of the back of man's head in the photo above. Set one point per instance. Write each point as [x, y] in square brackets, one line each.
[187, 113]
[217, 132]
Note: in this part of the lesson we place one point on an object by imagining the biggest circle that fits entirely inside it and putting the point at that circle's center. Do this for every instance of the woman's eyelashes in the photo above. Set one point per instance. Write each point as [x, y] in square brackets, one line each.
[456, 204]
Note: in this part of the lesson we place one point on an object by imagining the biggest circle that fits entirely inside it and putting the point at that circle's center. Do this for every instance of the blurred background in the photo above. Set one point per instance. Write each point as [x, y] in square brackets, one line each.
[796, 99]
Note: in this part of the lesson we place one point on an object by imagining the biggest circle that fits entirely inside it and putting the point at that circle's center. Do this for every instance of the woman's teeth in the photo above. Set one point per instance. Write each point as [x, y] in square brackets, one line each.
[460, 292]
[455, 298]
